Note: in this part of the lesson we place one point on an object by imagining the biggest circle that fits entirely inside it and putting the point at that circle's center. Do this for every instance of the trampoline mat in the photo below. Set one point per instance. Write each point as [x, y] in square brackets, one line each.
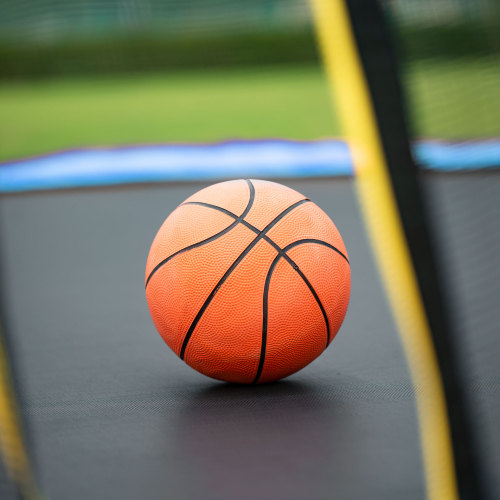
[115, 414]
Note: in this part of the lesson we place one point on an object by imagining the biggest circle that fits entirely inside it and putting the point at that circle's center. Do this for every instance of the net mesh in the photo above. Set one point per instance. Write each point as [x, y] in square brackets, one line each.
[465, 214]
[450, 51]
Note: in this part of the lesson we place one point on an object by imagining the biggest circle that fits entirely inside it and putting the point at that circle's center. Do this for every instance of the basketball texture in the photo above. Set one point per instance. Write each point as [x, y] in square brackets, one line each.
[248, 281]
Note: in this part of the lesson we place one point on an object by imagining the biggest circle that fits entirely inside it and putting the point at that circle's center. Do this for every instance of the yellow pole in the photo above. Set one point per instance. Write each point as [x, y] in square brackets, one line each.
[12, 444]
[374, 189]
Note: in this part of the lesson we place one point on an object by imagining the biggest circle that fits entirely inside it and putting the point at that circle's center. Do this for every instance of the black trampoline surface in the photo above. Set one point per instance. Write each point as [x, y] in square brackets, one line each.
[116, 415]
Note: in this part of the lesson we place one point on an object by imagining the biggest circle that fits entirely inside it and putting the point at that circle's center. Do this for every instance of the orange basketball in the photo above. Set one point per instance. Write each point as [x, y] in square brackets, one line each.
[248, 281]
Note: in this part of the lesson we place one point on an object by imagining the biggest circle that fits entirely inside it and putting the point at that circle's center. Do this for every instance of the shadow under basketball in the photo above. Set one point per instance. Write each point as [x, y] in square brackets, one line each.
[267, 441]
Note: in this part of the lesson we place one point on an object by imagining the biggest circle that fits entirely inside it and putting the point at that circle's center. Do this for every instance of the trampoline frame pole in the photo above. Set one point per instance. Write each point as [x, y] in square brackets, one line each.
[362, 73]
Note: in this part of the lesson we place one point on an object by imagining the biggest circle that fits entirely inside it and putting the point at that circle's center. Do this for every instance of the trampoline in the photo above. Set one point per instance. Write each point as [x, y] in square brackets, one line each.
[115, 414]
[404, 404]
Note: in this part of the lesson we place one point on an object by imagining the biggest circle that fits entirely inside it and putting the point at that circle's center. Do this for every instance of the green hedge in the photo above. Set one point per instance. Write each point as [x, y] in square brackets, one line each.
[447, 41]
[142, 52]
[139, 52]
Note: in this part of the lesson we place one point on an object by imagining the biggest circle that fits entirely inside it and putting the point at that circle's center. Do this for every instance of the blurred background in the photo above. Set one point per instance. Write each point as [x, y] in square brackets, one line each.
[92, 73]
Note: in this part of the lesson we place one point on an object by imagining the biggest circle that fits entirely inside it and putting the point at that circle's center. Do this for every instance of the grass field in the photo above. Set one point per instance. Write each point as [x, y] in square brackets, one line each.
[448, 101]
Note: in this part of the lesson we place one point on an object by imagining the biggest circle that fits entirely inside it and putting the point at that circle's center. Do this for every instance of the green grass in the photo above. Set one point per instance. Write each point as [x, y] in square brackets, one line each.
[39, 117]
[43, 116]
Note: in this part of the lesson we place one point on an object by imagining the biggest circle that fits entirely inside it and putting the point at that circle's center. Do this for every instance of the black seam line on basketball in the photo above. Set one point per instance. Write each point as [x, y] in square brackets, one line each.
[231, 269]
[297, 269]
[265, 306]
[269, 240]
[265, 300]
[227, 212]
[294, 266]
[319, 242]
[240, 220]
[282, 253]
[290, 261]
[224, 210]
[315, 295]
[236, 218]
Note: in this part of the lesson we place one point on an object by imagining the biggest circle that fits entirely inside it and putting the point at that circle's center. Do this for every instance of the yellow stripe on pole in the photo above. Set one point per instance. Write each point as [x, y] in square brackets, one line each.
[11, 440]
[374, 189]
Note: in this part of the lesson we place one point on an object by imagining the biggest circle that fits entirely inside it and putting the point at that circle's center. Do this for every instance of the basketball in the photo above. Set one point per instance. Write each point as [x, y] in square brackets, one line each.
[248, 281]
